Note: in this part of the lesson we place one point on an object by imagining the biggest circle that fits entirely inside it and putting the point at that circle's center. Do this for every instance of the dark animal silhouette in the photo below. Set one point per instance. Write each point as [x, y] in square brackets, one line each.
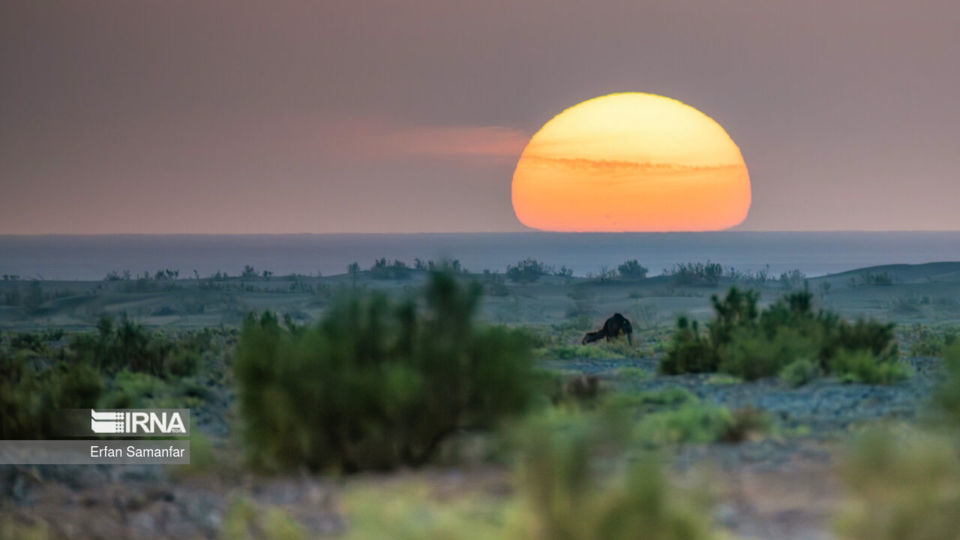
[612, 328]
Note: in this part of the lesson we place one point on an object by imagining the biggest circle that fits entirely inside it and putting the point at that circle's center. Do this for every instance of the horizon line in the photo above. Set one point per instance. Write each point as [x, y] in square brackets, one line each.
[450, 233]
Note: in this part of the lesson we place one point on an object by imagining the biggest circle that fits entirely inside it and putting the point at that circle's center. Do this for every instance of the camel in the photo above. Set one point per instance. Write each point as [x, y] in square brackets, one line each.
[612, 328]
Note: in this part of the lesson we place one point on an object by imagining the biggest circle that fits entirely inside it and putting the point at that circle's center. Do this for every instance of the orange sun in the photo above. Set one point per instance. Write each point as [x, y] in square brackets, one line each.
[631, 162]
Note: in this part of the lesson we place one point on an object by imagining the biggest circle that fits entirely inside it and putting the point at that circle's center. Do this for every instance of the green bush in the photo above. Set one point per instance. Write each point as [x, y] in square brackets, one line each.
[749, 343]
[31, 396]
[566, 494]
[745, 423]
[181, 362]
[632, 269]
[901, 486]
[708, 273]
[526, 271]
[688, 351]
[126, 345]
[572, 483]
[129, 346]
[699, 423]
[946, 398]
[799, 372]
[246, 520]
[375, 385]
[381, 269]
[130, 389]
[861, 366]
[752, 355]
[691, 423]
[928, 342]
[635, 373]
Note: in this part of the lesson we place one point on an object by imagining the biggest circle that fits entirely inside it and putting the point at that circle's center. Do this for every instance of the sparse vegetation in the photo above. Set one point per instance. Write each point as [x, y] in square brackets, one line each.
[632, 269]
[566, 495]
[947, 396]
[744, 341]
[385, 383]
[903, 485]
[367, 377]
[931, 342]
[799, 372]
[793, 279]
[382, 269]
[526, 271]
[708, 273]
[118, 366]
[870, 278]
[695, 422]
[32, 395]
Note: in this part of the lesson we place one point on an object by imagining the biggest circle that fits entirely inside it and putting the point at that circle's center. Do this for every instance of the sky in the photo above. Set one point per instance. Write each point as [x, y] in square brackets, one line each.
[178, 116]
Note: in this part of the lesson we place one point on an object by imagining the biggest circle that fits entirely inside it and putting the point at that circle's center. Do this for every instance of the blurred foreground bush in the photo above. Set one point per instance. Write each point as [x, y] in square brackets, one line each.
[947, 396]
[903, 486]
[376, 385]
[572, 482]
[119, 365]
[572, 485]
[745, 341]
[31, 395]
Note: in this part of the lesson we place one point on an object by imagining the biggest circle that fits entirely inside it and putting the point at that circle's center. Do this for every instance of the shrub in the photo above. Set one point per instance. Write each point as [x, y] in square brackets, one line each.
[632, 270]
[902, 486]
[181, 363]
[699, 423]
[31, 397]
[526, 271]
[746, 342]
[723, 379]
[247, 520]
[129, 346]
[565, 489]
[946, 398]
[129, 389]
[411, 510]
[862, 366]
[375, 385]
[928, 342]
[869, 278]
[752, 355]
[799, 372]
[688, 351]
[696, 273]
[123, 346]
[581, 388]
[29, 341]
[382, 269]
[737, 310]
[632, 373]
[745, 423]
[792, 279]
[566, 495]
[875, 337]
[691, 423]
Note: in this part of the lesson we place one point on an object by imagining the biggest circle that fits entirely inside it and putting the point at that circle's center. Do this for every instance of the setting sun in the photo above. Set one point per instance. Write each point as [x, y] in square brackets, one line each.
[631, 162]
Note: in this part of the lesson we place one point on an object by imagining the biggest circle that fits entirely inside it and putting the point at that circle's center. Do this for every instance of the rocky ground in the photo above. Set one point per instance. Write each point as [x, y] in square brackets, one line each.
[775, 487]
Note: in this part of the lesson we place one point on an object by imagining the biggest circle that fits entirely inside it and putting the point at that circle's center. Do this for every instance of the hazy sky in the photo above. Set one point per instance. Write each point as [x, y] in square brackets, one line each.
[187, 116]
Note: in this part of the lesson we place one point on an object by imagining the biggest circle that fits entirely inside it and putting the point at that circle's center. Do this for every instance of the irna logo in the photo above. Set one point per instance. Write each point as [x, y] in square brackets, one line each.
[136, 422]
